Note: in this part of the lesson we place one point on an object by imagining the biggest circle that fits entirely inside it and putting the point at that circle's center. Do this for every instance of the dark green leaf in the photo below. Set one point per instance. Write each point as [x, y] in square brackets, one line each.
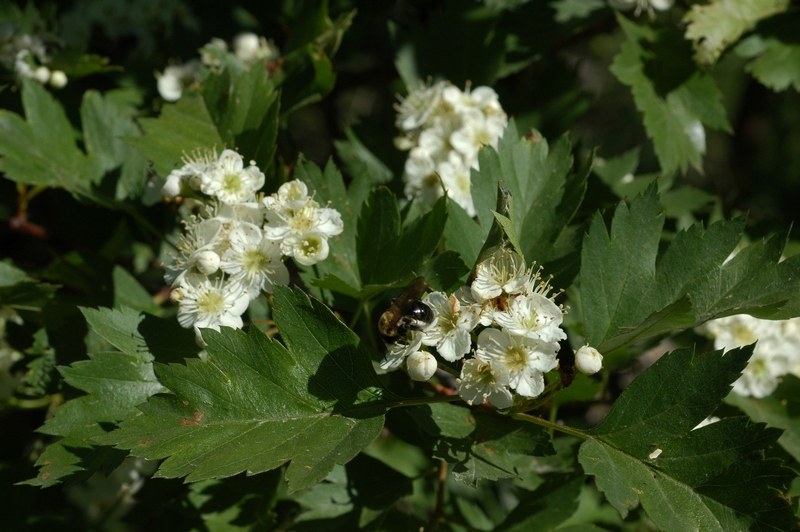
[546, 508]
[482, 446]
[41, 149]
[182, 127]
[646, 451]
[253, 404]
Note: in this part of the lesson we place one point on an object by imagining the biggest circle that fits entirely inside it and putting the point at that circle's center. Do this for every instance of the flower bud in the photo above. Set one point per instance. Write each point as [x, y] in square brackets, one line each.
[172, 187]
[588, 360]
[41, 74]
[421, 365]
[58, 79]
[207, 261]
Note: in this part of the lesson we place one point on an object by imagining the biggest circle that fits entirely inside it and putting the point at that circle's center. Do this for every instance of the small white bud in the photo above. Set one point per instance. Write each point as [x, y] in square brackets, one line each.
[207, 261]
[173, 185]
[58, 79]
[421, 365]
[588, 360]
[41, 74]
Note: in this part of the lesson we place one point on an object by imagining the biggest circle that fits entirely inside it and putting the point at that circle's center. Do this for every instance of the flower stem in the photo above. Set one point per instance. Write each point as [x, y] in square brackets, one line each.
[417, 401]
[550, 425]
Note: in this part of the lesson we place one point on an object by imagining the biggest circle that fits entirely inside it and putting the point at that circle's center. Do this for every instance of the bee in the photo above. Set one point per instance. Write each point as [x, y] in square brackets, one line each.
[407, 313]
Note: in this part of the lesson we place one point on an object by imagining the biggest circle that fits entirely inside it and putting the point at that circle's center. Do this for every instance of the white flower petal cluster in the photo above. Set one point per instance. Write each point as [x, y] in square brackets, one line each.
[235, 248]
[443, 127]
[28, 57]
[521, 330]
[641, 5]
[246, 50]
[777, 352]
[8, 355]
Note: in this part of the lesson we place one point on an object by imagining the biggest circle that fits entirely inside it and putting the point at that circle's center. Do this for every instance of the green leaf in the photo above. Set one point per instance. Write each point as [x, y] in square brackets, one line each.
[41, 149]
[106, 119]
[630, 293]
[115, 383]
[128, 292]
[775, 64]
[464, 235]
[482, 446]
[546, 508]
[446, 272]
[182, 127]
[544, 191]
[21, 292]
[385, 255]
[779, 409]
[359, 160]
[674, 120]
[307, 75]
[715, 26]
[646, 451]
[253, 404]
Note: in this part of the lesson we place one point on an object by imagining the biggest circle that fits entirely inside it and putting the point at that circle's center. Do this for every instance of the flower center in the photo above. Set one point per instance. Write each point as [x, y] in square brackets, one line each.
[516, 359]
[254, 261]
[211, 302]
[232, 183]
[310, 247]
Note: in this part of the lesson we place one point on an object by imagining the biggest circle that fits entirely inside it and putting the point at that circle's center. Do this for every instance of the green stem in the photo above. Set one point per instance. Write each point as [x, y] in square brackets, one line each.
[357, 315]
[30, 403]
[550, 425]
[416, 401]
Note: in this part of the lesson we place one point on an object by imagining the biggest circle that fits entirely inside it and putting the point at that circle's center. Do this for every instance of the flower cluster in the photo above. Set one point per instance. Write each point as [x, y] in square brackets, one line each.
[641, 5]
[776, 353]
[28, 57]
[246, 50]
[443, 128]
[520, 331]
[234, 249]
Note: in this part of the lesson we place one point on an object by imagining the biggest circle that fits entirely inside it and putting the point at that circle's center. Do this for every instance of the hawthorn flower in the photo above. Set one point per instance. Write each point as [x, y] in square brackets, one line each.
[776, 353]
[254, 261]
[230, 181]
[526, 359]
[207, 304]
[588, 360]
[503, 272]
[455, 175]
[195, 166]
[421, 365]
[175, 78]
[396, 353]
[534, 316]
[249, 48]
[197, 250]
[414, 110]
[451, 327]
[307, 248]
[483, 380]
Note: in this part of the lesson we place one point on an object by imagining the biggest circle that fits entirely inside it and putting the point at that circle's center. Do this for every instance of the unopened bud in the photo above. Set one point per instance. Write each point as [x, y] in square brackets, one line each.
[207, 261]
[57, 79]
[172, 187]
[588, 360]
[41, 74]
[421, 365]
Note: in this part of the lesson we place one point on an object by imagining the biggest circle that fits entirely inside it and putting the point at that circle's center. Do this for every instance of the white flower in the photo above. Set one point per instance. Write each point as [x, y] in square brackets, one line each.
[176, 78]
[249, 48]
[414, 110]
[588, 360]
[254, 261]
[503, 272]
[292, 195]
[481, 380]
[421, 365]
[758, 378]
[641, 5]
[193, 171]
[206, 304]
[532, 315]
[455, 174]
[451, 327]
[397, 352]
[200, 236]
[230, 181]
[308, 248]
[526, 359]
